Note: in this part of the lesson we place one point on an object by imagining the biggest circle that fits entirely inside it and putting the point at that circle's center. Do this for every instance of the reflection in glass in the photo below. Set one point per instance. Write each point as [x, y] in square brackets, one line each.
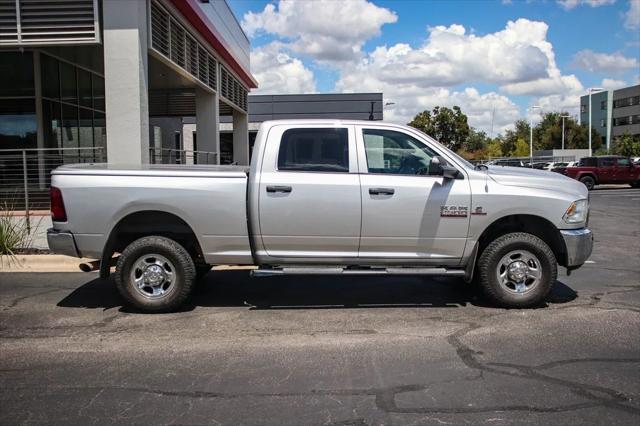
[98, 92]
[16, 70]
[50, 77]
[84, 88]
[68, 83]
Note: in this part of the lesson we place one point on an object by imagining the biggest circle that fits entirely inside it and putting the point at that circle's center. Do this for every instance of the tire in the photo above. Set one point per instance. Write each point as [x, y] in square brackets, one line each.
[155, 274]
[497, 280]
[588, 181]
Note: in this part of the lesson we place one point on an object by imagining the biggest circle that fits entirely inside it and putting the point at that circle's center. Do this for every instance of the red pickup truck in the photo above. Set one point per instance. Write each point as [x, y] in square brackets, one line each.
[593, 171]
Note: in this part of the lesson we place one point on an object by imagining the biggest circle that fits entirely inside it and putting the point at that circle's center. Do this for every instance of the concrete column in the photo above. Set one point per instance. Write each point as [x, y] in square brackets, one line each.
[207, 125]
[126, 80]
[240, 138]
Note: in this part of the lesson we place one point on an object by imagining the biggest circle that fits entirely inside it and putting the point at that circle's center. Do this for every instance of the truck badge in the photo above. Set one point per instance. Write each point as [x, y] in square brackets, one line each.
[478, 212]
[454, 211]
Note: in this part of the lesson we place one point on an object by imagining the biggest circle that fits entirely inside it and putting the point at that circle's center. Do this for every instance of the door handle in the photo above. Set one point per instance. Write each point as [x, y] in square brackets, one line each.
[278, 188]
[383, 191]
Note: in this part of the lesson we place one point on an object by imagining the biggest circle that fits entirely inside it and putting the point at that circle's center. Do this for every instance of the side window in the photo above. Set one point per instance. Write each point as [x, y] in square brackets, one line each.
[391, 152]
[314, 150]
[623, 162]
[606, 162]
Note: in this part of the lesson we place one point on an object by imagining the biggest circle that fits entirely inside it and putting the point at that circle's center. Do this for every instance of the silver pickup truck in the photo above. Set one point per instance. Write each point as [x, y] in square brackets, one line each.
[324, 197]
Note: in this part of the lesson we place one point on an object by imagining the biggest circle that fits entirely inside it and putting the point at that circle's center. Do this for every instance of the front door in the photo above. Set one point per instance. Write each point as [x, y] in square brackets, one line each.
[624, 170]
[406, 213]
[309, 202]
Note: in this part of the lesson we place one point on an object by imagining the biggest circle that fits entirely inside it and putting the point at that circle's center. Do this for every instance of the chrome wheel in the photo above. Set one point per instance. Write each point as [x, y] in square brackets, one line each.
[153, 276]
[519, 271]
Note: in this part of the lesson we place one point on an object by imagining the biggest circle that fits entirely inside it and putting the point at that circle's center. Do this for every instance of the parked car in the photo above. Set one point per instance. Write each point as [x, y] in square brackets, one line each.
[561, 167]
[636, 160]
[506, 163]
[323, 197]
[540, 165]
[593, 171]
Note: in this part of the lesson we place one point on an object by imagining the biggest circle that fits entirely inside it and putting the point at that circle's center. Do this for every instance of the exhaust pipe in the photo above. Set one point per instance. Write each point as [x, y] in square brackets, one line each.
[90, 266]
[94, 265]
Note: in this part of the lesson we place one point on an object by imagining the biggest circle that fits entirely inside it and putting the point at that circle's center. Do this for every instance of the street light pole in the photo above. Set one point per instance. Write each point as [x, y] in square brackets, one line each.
[591, 90]
[563, 117]
[531, 135]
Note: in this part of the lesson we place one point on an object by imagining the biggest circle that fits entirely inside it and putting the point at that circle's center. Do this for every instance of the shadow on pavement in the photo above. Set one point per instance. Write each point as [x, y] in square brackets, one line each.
[237, 288]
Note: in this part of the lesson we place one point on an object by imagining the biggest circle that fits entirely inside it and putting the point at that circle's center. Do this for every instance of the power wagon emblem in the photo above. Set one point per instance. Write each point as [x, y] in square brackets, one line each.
[454, 211]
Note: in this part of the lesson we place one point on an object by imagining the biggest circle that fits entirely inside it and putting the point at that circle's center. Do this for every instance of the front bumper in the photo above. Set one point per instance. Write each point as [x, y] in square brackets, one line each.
[61, 242]
[579, 244]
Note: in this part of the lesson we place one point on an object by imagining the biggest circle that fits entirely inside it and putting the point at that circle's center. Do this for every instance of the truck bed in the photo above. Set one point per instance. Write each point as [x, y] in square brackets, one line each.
[211, 200]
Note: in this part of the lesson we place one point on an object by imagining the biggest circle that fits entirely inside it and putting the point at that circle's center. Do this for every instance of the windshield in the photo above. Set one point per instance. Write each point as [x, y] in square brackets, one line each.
[451, 153]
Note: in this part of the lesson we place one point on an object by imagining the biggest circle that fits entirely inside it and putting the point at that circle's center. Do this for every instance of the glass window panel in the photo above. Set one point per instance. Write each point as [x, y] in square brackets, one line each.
[50, 77]
[70, 132]
[85, 134]
[100, 136]
[391, 152]
[68, 83]
[16, 70]
[84, 88]
[52, 124]
[98, 92]
[314, 150]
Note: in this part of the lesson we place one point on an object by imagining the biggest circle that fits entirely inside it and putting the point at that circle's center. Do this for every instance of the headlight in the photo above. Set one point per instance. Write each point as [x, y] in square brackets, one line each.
[577, 212]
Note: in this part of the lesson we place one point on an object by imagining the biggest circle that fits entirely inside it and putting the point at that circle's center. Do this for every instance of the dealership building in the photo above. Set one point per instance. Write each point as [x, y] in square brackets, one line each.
[94, 74]
[613, 112]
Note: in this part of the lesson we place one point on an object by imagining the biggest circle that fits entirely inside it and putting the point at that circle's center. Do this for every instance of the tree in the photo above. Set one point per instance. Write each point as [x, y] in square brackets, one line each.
[521, 148]
[476, 141]
[626, 145]
[448, 126]
[520, 131]
[494, 149]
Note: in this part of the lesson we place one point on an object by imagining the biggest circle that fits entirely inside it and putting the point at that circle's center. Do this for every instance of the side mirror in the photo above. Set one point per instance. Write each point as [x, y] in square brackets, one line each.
[439, 167]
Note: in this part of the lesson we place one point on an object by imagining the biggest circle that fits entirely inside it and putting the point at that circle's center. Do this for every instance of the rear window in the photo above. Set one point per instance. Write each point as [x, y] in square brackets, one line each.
[314, 150]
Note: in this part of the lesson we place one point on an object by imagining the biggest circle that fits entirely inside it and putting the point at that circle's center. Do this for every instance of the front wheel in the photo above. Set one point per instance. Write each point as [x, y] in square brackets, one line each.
[155, 274]
[517, 270]
[588, 181]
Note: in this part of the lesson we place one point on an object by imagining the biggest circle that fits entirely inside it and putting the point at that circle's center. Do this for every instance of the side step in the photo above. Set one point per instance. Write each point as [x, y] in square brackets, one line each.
[301, 270]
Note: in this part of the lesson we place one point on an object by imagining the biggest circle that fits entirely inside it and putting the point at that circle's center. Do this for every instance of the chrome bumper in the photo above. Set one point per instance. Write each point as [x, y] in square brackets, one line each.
[62, 243]
[579, 244]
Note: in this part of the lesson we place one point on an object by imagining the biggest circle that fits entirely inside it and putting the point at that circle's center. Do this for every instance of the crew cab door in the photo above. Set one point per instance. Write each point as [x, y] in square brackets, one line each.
[606, 170]
[625, 171]
[407, 214]
[309, 193]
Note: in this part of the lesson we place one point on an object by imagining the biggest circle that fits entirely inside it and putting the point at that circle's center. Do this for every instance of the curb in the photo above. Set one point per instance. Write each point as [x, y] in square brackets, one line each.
[41, 263]
[60, 263]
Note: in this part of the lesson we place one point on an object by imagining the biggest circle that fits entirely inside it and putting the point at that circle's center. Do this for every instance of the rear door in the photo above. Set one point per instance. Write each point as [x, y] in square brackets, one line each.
[408, 215]
[309, 199]
[624, 170]
[606, 170]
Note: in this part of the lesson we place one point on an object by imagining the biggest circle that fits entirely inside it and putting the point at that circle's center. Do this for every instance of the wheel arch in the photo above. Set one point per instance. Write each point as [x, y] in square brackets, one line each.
[531, 224]
[142, 223]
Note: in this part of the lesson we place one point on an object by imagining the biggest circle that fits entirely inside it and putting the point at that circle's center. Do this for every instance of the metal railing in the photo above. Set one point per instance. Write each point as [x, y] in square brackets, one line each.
[181, 156]
[25, 174]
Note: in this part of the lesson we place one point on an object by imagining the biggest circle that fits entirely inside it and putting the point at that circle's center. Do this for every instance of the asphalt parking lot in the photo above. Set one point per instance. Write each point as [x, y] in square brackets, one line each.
[336, 351]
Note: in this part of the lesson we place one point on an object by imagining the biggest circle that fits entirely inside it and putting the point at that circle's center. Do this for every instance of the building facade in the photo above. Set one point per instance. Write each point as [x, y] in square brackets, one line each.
[78, 74]
[182, 131]
[614, 112]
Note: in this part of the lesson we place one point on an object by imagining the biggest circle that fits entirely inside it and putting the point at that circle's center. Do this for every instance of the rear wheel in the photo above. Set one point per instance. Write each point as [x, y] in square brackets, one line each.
[588, 181]
[517, 270]
[155, 274]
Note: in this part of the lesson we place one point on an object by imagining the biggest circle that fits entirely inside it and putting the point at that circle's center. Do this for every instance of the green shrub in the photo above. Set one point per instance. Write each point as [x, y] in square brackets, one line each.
[14, 234]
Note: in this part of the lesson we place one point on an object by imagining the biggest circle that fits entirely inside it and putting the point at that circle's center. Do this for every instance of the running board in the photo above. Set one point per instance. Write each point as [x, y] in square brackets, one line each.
[267, 272]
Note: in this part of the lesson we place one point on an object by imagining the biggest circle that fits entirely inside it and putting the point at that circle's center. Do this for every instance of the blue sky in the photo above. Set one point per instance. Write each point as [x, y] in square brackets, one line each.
[497, 56]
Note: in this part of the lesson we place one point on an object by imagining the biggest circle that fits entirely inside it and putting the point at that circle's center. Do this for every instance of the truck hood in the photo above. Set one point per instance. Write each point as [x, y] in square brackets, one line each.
[542, 179]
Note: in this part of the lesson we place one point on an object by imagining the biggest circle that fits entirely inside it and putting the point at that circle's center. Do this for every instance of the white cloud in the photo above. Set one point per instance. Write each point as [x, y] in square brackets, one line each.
[611, 84]
[279, 73]
[604, 62]
[570, 4]
[327, 30]
[632, 16]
